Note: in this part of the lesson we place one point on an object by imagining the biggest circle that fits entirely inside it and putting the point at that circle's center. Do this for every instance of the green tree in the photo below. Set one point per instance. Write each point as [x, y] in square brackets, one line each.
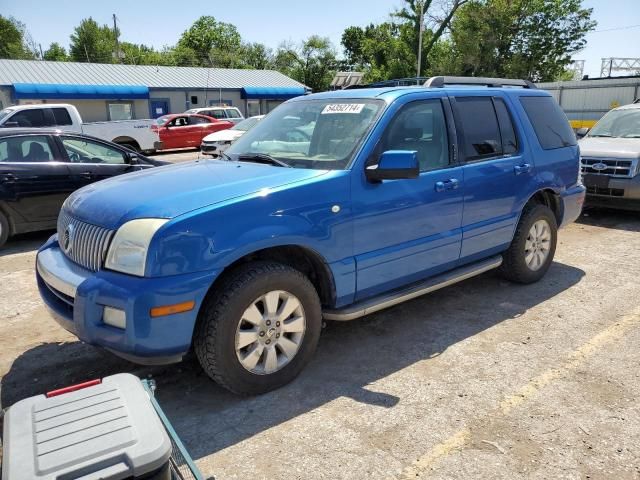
[382, 51]
[256, 55]
[438, 15]
[91, 42]
[56, 53]
[212, 43]
[312, 62]
[532, 39]
[15, 42]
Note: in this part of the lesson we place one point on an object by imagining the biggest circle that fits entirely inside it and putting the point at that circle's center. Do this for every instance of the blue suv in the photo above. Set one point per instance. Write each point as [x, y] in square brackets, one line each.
[336, 205]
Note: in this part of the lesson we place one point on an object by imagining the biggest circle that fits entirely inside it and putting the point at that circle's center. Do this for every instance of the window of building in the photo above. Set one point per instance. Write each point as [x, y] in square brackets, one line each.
[253, 108]
[420, 126]
[120, 111]
[549, 122]
[194, 99]
[479, 126]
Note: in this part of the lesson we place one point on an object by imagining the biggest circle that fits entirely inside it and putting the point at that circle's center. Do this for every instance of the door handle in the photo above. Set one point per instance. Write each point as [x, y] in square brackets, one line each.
[87, 175]
[451, 184]
[8, 177]
[524, 168]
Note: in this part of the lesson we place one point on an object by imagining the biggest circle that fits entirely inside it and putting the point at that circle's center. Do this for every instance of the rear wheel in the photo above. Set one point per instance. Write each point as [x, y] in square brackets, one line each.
[4, 229]
[259, 329]
[533, 246]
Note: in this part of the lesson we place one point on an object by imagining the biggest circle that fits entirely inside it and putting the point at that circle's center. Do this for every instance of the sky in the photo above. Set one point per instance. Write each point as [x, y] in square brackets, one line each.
[161, 22]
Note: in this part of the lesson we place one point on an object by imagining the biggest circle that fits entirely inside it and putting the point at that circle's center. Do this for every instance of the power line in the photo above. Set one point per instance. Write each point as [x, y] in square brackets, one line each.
[627, 27]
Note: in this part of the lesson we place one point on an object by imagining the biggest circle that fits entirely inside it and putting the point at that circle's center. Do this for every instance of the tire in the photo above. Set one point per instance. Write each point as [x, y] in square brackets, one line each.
[519, 264]
[130, 146]
[4, 229]
[223, 318]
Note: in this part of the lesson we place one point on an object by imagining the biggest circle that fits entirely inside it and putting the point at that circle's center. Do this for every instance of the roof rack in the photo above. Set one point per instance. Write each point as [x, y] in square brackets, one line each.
[442, 81]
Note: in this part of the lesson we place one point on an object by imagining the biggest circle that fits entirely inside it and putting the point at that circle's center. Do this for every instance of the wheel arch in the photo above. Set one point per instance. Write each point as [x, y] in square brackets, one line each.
[124, 140]
[549, 198]
[302, 258]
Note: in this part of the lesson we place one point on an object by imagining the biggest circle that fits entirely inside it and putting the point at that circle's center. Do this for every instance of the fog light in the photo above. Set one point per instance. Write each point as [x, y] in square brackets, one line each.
[114, 317]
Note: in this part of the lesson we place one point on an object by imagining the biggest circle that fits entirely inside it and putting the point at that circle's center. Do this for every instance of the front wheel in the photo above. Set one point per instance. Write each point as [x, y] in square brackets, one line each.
[259, 328]
[534, 244]
[4, 229]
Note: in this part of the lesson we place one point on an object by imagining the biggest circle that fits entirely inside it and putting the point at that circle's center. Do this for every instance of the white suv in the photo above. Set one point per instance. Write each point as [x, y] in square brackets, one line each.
[231, 114]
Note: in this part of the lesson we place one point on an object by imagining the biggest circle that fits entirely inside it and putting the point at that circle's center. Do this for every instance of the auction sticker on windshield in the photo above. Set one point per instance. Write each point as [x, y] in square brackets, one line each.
[343, 108]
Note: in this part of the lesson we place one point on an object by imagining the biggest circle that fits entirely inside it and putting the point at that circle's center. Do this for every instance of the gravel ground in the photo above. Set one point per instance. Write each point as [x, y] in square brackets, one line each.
[484, 379]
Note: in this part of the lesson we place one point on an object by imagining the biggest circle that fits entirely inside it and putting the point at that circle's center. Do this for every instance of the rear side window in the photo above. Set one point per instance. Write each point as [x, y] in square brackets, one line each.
[509, 139]
[233, 113]
[479, 126]
[217, 114]
[32, 148]
[198, 120]
[61, 116]
[549, 122]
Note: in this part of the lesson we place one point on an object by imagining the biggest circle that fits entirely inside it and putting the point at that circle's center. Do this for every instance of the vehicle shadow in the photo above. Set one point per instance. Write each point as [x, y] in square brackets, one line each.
[610, 218]
[351, 357]
[25, 242]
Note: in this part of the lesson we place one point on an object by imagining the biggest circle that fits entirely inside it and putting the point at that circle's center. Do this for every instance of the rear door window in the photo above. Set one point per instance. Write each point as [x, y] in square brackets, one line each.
[32, 148]
[549, 122]
[219, 113]
[233, 113]
[508, 133]
[61, 117]
[479, 125]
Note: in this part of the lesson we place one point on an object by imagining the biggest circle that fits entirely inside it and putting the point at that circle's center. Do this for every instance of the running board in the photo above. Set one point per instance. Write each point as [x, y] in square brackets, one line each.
[376, 304]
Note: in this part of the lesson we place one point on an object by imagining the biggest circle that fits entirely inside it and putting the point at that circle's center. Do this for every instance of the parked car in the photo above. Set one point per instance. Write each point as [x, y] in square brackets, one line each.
[187, 130]
[231, 114]
[611, 159]
[39, 169]
[218, 142]
[133, 134]
[397, 192]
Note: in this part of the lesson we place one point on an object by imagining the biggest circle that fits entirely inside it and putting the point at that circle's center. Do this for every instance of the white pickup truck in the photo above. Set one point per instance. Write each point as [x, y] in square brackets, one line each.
[135, 134]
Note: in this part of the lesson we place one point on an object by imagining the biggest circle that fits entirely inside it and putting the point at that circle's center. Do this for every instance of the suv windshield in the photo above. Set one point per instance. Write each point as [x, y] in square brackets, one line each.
[623, 123]
[322, 134]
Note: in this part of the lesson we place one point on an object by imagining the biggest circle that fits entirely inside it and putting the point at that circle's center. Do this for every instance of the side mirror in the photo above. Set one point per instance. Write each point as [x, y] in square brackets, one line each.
[582, 132]
[394, 165]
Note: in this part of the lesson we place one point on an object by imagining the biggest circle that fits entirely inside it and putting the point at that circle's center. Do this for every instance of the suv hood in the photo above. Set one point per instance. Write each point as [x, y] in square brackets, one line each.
[169, 191]
[610, 147]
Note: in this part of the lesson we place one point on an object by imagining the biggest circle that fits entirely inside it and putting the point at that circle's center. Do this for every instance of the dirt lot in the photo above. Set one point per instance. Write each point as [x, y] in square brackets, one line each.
[481, 380]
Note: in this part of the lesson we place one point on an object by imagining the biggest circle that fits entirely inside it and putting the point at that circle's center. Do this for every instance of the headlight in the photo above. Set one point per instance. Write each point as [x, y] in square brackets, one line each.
[128, 250]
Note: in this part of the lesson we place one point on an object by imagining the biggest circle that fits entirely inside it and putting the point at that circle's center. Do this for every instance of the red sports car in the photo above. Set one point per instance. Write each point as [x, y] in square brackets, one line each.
[186, 130]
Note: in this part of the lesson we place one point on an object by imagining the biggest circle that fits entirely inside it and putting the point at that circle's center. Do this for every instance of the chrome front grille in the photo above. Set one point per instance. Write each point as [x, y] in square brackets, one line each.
[82, 242]
[614, 167]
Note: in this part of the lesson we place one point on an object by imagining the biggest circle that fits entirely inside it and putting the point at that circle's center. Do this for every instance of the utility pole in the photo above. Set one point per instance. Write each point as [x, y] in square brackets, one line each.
[115, 35]
[420, 41]
[41, 54]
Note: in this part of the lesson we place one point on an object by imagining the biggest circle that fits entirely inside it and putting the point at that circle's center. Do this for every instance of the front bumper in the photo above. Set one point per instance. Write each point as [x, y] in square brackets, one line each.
[158, 145]
[76, 298]
[620, 193]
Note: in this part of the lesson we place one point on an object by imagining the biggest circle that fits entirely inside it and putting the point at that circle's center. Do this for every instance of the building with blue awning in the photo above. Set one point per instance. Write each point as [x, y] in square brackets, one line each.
[117, 92]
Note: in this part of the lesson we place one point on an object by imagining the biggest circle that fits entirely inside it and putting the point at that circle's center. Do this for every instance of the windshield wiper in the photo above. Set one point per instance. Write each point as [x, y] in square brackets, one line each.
[262, 158]
[225, 156]
[602, 135]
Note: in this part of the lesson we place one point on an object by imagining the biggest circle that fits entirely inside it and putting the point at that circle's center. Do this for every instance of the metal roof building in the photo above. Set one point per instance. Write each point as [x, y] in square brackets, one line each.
[105, 91]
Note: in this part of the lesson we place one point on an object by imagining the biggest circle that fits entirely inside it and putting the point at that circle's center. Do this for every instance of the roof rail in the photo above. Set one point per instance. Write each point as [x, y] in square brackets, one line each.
[442, 81]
